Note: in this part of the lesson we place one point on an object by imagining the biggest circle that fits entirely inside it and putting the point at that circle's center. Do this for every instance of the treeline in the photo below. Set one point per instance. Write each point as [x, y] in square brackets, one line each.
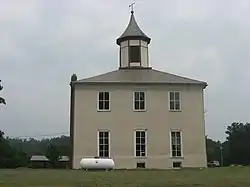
[17, 152]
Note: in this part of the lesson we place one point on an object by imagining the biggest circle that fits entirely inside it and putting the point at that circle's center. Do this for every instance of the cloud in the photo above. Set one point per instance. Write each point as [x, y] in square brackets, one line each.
[44, 42]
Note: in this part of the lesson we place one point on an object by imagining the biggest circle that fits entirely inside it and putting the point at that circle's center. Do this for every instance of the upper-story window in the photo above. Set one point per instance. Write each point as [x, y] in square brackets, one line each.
[103, 101]
[139, 101]
[174, 101]
[135, 53]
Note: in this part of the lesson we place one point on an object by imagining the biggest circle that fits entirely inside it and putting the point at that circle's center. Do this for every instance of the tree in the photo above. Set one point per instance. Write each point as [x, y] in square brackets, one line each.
[2, 100]
[238, 143]
[53, 154]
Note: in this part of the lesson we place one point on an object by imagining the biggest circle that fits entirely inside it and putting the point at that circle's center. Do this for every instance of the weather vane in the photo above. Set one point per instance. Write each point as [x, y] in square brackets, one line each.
[132, 7]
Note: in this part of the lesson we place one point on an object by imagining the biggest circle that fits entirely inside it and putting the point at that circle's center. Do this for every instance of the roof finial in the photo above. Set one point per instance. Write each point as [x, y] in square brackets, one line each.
[132, 7]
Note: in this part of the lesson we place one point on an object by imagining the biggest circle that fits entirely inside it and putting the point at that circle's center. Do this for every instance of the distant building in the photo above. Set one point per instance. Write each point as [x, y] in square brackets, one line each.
[139, 116]
[41, 161]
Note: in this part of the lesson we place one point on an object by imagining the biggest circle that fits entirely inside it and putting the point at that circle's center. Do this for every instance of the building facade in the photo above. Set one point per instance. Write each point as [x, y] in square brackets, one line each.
[139, 116]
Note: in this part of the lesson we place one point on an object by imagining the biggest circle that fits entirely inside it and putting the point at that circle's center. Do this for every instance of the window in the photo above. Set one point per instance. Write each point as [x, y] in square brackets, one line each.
[176, 144]
[176, 164]
[103, 101]
[103, 144]
[174, 101]
[139, 101]
[135, 53]
[140, 165]
[140, 143]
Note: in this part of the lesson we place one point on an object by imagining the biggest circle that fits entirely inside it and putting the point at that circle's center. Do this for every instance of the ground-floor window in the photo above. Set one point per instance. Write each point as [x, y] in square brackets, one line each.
[104, 143]
[176, 143]
[140, 143]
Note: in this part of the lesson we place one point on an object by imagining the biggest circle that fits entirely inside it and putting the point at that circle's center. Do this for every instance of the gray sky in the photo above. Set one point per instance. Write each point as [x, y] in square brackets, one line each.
[44, 42]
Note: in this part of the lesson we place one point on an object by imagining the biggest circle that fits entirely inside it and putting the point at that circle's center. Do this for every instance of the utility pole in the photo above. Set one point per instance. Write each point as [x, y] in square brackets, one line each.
[221, 154]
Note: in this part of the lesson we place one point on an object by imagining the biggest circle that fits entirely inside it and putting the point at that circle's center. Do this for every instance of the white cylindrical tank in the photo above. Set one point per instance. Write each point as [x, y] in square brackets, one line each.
[97, 163]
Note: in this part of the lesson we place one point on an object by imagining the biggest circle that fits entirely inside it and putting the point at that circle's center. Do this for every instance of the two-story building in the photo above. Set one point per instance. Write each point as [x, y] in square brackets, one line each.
[139, 116]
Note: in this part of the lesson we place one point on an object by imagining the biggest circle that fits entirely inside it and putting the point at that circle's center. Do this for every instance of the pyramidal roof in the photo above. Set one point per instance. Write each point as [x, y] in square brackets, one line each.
[141, 76]
[133, 31]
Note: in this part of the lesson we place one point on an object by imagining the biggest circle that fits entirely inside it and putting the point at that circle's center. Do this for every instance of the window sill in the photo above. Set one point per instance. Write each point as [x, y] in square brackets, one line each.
[140, 157]
[103, 110]
[174, 110]
[177, 157]
[140, 110]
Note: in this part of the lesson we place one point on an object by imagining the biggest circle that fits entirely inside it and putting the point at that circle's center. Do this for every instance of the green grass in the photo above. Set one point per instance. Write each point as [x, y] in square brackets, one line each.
[212, 177]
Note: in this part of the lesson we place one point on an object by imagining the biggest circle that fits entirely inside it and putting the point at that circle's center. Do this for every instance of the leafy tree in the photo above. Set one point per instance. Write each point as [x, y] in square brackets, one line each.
[2, 100]
[53, 154]
[238, 143]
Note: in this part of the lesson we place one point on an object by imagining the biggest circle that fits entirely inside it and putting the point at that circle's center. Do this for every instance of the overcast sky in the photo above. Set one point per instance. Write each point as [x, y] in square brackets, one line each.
[42, 43]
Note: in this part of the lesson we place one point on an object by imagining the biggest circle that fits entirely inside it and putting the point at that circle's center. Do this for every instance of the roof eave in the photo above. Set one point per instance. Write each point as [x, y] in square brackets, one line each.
[144, 38]
[203, 84]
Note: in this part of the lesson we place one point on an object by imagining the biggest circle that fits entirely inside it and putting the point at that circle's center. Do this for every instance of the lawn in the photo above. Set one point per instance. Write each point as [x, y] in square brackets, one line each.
[212, 177]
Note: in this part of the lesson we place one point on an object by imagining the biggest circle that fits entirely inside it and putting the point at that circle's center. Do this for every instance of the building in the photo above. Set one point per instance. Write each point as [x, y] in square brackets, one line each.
[139, 116]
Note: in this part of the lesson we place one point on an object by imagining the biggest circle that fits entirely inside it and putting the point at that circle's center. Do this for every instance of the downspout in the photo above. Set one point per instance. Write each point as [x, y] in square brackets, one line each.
[72, 116]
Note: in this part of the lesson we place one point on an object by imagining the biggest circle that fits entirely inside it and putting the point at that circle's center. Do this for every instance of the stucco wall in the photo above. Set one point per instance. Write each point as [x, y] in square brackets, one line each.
[157, 119]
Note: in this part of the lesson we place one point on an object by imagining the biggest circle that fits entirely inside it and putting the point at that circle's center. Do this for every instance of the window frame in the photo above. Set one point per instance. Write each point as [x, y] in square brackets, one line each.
[145, 98]
[98, 143]
[146, 143]
[170, 138]
[98, 106]
[169, 101]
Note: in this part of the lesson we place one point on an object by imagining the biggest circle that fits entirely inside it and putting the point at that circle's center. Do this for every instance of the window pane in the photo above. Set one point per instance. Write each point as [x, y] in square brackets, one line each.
[138, 134]
[178, 140]
[101, 141]
[136, 96]
[142, 105]
[174, 153]
[134, 53]
[143, 134]
[100, 105]
[173, 147]
[137, 148]
[101, 153]
[101, 134]
[178, 147]
[106, 153]
[138, 140]
[143, 141]
[177, 96]
[171, 105]
[106, 105]
[106, 96]
[106, 148]
[101, 147]
[177, 105]
[137, 105]
[142, 96]
[106, 141]
[143, 148]
[138, 153]
[101, 96]
[106, 134]
[178, 153]
[171, 95]
[143, 154]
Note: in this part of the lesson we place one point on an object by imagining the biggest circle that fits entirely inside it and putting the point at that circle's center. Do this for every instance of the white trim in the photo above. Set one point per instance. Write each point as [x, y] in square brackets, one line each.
[145, 101]
[146, 142]
[180, 101]
[97, 102]
[170, 138]
[103, 130]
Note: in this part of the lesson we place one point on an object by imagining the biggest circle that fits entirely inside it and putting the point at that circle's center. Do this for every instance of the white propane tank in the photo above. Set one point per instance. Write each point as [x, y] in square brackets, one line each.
[97, 163]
